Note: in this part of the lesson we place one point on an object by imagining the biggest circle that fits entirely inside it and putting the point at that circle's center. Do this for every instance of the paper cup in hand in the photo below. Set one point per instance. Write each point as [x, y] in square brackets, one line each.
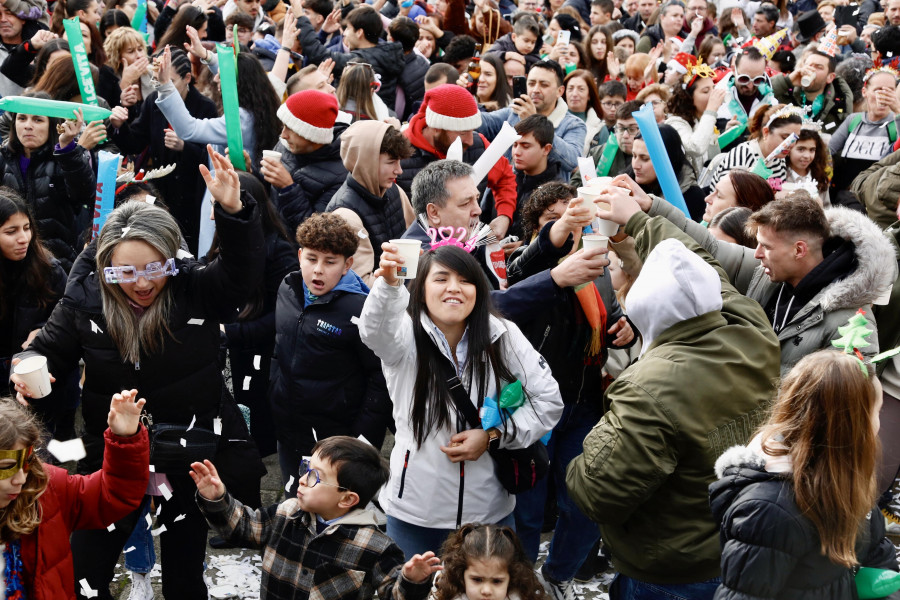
[409, 250]
[600, 182]
[272, 154]
[595, 241]
[591, 193]
[604, 227]
[34, 373]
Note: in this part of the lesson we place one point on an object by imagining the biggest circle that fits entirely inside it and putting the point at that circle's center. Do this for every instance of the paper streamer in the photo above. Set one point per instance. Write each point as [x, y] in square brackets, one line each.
[607, 156]
[665, 174]
[228, 79]
[454, 152]
[80, 58]
[139, 20]
[57, 109]
[492, 153]
[104, 201]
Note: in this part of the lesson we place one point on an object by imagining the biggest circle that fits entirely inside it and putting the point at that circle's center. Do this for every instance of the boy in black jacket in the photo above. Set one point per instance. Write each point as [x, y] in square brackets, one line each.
[523, 40]
[325, 381]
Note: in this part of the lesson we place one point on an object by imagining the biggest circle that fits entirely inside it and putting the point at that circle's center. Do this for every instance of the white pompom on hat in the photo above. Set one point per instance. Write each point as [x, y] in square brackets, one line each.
[310, 114]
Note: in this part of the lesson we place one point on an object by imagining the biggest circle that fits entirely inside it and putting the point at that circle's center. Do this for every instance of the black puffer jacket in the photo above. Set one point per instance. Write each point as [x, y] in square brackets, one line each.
[412, 82]
[181, 381]
[323, 375]
[382, 217]
[182, 190]
[769, 549]
[317, 176]
[386, 59]
[55, 186]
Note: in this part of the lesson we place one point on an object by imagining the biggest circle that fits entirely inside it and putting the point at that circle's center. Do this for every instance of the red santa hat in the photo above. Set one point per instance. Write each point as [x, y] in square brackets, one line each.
[311, 115]
[450, 107]
[681, 62]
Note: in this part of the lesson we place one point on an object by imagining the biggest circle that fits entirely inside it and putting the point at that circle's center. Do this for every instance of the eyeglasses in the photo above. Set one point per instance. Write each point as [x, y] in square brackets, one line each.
[611, 104]
[130, 273]
[631, 130]
[23, 458]
[757, 81]
[313, 479]
[655, 103]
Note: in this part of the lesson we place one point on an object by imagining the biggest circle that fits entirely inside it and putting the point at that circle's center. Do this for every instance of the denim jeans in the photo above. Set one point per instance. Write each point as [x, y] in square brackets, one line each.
[626, 588]
[414, 539]
[575, 534]
[143, 557]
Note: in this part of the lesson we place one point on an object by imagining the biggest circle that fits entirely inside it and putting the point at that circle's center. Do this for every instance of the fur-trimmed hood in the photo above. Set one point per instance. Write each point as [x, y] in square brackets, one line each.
[738, 456]
[876, 257]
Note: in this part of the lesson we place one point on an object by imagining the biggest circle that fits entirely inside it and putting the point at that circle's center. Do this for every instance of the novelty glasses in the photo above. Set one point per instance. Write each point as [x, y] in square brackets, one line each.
[130, 273]
[312, 477]
[746, 80]
[23, 460]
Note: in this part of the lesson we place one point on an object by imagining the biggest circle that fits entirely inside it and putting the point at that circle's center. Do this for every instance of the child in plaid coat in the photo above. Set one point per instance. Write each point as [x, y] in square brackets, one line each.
[320, 545]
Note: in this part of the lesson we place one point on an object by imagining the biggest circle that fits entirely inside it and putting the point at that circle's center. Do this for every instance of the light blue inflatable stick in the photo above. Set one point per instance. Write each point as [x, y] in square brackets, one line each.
[665, 174]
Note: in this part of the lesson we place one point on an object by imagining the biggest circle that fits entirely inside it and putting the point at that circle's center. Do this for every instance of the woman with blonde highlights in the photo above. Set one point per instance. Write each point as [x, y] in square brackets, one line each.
[41, 505]
[796, 504]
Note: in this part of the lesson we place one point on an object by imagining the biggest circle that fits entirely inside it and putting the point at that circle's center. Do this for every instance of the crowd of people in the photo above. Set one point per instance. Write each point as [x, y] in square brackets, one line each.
[618, 270]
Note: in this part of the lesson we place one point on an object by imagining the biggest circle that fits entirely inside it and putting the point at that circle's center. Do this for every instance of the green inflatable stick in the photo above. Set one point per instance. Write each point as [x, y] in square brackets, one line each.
[139, 20]
[876, 583]
[511, 396]
[52, 108]
[607, 156]
[729, 135]
[82, 64]
[228, 79]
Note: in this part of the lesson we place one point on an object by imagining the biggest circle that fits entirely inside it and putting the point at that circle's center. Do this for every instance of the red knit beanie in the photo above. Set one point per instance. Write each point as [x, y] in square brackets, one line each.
[311, 115]
[450, 107]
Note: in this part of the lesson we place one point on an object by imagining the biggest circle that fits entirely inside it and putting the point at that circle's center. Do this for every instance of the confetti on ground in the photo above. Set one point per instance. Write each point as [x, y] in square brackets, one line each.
[68, 450]
[86, 590]
[235, 576]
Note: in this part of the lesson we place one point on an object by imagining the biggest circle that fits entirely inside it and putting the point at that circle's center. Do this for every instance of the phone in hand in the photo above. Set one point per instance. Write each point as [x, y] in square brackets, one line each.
[520, 86]
[563, 37]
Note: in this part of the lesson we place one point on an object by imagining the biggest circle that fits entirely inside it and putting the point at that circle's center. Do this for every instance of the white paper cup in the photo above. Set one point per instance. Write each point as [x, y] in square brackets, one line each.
[409, 250]
[595, 241]
[600, 182]
[33, 371]
[272, 154]
[589, 193]
[607, 228]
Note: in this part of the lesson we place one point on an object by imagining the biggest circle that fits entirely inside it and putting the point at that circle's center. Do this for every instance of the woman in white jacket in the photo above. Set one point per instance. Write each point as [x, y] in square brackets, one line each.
[441, 473]
[692, 113]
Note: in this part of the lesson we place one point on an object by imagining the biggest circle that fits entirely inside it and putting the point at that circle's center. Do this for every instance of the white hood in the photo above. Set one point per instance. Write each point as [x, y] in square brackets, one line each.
[674, 285]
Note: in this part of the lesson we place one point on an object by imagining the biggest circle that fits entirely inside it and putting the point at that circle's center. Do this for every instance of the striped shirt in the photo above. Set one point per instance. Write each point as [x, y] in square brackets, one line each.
[744, 156]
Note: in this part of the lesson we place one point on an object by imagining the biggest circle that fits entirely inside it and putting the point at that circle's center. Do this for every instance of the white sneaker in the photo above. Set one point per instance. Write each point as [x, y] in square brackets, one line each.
[141, 589]
[558, 590]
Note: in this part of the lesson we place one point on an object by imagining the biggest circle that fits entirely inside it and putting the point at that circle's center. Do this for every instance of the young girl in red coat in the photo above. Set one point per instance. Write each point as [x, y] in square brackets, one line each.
[40, 505]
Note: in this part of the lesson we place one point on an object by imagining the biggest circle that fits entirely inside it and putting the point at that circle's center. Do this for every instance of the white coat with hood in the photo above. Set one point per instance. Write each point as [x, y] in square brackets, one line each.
[429, 481]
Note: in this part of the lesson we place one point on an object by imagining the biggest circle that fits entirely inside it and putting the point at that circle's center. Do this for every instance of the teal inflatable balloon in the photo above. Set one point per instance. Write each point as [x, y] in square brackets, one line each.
[80, 59]
[228, 79]
[665, 174]
[876, 583]
[56, 109]
[511, 396]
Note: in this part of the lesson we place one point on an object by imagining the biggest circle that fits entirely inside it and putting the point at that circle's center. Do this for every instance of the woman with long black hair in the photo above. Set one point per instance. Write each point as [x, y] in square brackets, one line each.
[441, 473]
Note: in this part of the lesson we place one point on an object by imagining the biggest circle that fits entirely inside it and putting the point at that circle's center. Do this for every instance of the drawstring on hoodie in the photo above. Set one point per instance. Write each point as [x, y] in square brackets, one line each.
[775, 325]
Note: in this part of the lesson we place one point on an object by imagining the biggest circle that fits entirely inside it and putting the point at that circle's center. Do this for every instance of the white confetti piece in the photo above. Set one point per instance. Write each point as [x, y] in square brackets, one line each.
[112, 527]
[831, 125]
[149, 520]
[290, 482]
[195, 321]
[130, 549]
[153, 468]
[256, 361]
[182, 254]
[68, 450]
[180, 518]
[158, 509]
[315, 435]
[183, 442]
[217, 426]
[86, 589]
[362, 234]
[362, 438]
[247, 379]
[165, 491]
[125, 230]
[158, 531]
[95, 328]
[150, 199]
[354, 320]
[193, 420]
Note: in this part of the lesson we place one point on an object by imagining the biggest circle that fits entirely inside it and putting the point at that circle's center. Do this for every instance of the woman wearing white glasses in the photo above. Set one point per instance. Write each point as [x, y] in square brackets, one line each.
[142, 315]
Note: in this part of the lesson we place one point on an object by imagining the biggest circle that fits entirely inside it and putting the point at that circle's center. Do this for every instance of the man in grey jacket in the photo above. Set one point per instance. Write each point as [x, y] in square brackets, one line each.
[812, 270]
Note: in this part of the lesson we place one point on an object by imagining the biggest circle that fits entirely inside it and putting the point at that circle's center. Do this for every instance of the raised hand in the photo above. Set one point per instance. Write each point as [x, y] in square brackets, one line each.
[421, 566]
[119, 116]
[125, 413]
[224, 187]
[71, 128]
[195, 46]
[390, 260]
[206, 478]
[640, 196]
[94, 133]
[131, 72]
[164, 75]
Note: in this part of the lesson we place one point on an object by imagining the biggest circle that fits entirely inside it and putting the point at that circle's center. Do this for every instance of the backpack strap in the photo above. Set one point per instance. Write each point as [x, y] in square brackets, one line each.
[855, 120]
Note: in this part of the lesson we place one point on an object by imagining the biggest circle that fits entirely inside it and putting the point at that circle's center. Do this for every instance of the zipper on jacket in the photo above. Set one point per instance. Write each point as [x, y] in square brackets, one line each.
[544, 341]
[137, 366]
[403, 475]
[462, 487]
